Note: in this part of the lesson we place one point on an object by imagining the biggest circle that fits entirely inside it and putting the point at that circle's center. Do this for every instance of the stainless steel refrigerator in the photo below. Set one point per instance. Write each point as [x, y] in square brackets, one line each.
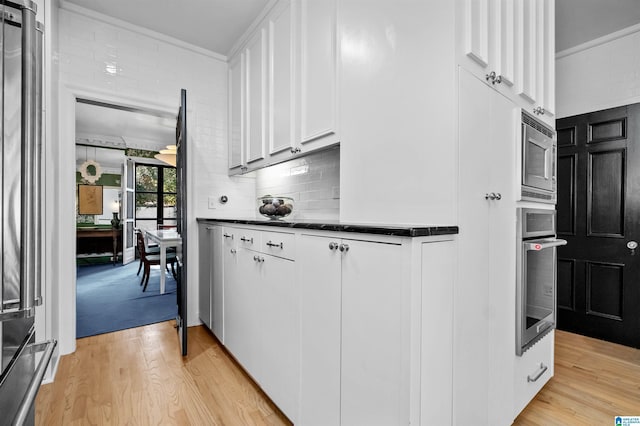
[23, 362]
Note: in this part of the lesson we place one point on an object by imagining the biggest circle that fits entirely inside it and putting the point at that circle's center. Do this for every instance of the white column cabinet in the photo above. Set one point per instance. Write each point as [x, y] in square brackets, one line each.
[510, 45]
[350, 373]
[484, 324]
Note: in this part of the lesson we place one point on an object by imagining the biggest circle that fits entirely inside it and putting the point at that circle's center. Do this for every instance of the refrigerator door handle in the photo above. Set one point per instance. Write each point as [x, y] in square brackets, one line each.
[36, 380]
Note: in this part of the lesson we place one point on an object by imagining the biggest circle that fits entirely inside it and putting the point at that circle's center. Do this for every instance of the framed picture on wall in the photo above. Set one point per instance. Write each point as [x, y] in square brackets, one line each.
[89, 199]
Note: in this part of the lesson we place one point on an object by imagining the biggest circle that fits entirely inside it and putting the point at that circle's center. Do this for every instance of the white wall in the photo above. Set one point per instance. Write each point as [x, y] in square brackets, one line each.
[604, 73]
[397, 108]
[106, 59]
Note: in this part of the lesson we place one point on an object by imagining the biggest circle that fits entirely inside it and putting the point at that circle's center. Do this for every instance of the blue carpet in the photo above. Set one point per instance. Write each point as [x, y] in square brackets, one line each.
[109, 298]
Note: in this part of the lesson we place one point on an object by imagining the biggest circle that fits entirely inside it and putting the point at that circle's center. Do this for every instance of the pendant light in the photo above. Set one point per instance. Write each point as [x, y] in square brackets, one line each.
[168, 155]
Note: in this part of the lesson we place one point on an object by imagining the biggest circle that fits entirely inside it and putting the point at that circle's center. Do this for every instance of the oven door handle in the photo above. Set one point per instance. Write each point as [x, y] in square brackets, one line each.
[541, 245]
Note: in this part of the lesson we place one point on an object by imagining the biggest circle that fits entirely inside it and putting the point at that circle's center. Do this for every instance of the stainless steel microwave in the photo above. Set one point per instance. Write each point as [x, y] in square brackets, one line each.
[538, 161]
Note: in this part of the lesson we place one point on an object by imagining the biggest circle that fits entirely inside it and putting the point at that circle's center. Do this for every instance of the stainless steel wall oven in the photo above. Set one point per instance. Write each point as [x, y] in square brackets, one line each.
[535, 276]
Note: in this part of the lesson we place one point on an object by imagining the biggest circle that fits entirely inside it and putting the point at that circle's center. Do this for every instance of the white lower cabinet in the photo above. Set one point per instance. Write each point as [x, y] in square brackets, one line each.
[352, 324]
[261, 318]
[341, 328]
[532, 370]
[211, 291]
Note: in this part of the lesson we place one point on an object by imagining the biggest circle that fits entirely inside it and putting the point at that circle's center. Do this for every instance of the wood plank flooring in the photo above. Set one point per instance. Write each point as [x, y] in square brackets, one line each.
[594, 381]
[138, 377]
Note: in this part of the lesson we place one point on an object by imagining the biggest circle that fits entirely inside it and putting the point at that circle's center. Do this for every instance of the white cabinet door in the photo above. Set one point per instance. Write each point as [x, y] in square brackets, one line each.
[236, 112]
[241, 305]
[204, 280]
[318, 73]
[255, 56]
[374, 322]
[278, 318]
[514, 40]
[216, 273]
[546, 68]
[319, 267]
[484, 325]
[281, 118]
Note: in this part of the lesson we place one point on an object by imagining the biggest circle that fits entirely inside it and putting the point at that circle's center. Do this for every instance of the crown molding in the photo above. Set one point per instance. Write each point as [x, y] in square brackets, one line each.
[598, 41]
[74, 8]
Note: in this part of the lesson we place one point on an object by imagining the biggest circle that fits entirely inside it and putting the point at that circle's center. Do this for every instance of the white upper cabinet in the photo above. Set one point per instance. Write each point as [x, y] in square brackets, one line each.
[255, 54]
[281, 123]
[282, 86]
[510, 44]
[318, 74]
[236, 112]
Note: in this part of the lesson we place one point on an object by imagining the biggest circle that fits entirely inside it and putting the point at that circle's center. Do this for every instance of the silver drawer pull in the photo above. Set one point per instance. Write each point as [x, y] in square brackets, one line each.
[228, 236]
[270, 244]
[247, 240]
[538, 373]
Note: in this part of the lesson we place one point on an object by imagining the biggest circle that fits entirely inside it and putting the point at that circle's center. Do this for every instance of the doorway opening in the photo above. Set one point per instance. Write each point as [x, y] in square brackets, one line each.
[120, 189]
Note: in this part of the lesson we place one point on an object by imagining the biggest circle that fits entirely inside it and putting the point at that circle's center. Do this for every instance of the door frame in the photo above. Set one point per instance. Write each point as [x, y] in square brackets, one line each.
[62, 203]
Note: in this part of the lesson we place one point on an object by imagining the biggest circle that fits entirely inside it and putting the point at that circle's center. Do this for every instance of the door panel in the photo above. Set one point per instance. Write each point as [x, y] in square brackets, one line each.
[598, 211]
[127, 214]
[605, 206]
[182, 219]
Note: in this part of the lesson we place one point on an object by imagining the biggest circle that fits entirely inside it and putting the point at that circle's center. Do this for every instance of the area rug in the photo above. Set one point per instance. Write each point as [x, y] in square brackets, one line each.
[110, 298]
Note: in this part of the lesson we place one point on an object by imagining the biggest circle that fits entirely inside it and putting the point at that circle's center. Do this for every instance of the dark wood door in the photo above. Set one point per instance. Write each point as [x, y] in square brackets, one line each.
[182, 219]
[599, 216]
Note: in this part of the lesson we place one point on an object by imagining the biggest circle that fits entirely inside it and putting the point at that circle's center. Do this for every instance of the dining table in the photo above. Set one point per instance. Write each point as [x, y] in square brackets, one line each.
[164, 238]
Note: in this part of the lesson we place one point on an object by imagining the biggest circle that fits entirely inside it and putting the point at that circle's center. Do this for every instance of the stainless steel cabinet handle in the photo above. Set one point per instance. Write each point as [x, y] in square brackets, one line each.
[295, 150]
[233, 251]
[498, 80]
[228, 236]
[490, 196]
[537, 374]
[270, 244]
[538, 111]
[344, 248]
[333, 246]
[498, 196]
[247, 240]
[491, 77]
[258, 259]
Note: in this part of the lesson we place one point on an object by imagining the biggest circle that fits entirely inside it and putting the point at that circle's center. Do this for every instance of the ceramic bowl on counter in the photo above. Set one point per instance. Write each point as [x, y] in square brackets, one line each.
[275, 206]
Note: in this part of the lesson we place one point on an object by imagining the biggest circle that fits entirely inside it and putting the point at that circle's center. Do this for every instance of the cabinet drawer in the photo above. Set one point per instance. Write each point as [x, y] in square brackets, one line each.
[278, 244]
[247, 238]
[532, 370]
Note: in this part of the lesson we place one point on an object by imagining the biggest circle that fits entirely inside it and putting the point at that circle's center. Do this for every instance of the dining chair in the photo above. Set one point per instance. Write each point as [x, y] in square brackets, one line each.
[148, 259]
[150, 249]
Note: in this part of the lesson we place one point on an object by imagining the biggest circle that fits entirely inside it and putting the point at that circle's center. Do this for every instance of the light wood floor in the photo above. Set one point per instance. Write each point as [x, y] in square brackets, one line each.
[138, 377]
[594, 381]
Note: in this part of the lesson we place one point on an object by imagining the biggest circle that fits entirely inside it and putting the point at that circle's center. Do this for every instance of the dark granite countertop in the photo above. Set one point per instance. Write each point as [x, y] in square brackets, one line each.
[381, 229]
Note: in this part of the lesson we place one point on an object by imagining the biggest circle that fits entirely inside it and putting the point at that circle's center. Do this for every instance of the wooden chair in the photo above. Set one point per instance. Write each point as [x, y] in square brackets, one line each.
[147, 259]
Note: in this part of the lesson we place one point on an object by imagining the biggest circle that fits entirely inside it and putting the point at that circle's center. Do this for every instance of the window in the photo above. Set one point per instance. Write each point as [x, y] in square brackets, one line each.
[155, 196]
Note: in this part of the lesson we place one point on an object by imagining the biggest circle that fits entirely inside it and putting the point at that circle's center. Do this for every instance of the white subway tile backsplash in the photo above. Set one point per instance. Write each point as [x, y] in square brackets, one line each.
[310, 181]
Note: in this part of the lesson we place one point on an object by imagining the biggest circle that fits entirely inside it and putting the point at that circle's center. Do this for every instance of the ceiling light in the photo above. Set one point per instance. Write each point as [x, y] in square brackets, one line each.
[168, 155]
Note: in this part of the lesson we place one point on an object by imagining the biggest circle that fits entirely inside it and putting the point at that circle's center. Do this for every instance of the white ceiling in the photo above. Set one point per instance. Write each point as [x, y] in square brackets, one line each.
[123, 128]
[211, 24]
[579, 21]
